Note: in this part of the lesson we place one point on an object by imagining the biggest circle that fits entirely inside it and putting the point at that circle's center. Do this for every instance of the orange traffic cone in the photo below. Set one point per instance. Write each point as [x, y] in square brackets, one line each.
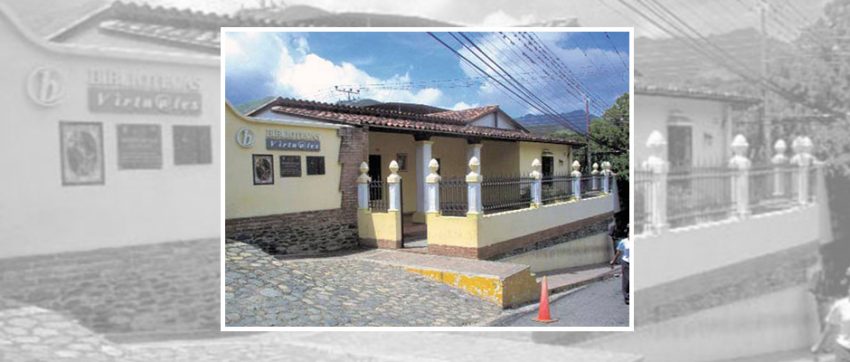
[543, 313]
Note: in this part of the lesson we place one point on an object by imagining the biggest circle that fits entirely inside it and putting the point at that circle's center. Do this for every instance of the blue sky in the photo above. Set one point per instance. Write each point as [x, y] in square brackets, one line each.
[414, 67]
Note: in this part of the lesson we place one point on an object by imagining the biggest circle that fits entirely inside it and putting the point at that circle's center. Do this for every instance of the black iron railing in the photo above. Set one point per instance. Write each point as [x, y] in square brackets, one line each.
[699, 195]
[378, 196]
[770, 188]
[556, 188]
[453, 199]
[504, 193]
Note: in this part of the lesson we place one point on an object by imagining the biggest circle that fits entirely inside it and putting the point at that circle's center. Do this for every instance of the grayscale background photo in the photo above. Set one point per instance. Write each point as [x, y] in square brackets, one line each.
[111, 192]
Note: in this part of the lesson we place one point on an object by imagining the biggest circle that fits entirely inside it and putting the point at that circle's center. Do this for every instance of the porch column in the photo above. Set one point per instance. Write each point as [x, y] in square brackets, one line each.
[656, 196]
[741, 180]
[779, 162]
[473, 187]
[433, 181]
[423, 157]
[535, 183]
[802, 147]
[576, 176]
[363, 187]
[393, 183]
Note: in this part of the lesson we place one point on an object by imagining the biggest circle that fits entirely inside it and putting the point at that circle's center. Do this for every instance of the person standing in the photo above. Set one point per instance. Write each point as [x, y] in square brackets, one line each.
[623, 252]
[837, 324]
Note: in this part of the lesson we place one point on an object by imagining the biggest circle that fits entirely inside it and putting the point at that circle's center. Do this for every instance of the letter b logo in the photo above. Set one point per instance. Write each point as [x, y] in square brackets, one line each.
[45, 87]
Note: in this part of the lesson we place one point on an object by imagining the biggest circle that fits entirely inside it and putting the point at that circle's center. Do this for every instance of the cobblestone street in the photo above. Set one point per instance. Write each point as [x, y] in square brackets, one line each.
[338, 291]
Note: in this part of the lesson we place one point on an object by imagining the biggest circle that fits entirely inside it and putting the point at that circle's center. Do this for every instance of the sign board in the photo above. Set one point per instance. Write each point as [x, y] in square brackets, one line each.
[45, 86]
[290, 166]
[315, 165]
[192, 145]
[245, 138]
[82, 153]
[119, 91]
[139, 146]
[292, 145]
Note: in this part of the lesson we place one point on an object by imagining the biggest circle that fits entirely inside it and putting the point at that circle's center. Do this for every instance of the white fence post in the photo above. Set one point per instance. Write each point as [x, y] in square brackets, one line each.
[536, 185]
[741, 181]
[363, 187]
[779, 160]
[393, 183]
[606, 177]
[576, 176]
[656, 195]
[802, 147]
[473, 187]
[432, 184]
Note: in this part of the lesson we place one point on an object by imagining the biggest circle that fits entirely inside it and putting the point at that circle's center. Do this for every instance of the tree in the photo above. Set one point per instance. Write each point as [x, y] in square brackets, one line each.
[612, 133]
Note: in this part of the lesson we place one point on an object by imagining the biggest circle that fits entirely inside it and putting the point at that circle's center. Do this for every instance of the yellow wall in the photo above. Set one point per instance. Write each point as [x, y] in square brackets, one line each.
[288, 194]
[452, 155]
[500, 158]
[508, 225]
[38, 215]
[453, 231]
[477, 231]
[528, 151]
[384, 226]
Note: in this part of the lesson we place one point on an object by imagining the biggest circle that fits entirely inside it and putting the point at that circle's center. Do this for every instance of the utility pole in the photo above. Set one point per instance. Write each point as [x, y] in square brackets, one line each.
[348, 91]
[765, 122]
[587, 131]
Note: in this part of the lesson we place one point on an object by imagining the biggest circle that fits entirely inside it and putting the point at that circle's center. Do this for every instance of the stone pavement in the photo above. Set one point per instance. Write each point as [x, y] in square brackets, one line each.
[29, 333]
[261, 290]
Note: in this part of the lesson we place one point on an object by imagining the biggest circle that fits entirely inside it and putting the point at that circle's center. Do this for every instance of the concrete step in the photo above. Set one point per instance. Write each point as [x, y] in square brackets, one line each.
[505, 284]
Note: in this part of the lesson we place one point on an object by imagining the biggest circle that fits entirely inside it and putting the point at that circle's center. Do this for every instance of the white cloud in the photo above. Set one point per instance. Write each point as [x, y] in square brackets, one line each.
[462, 105]
[295, 72]
[501, 18]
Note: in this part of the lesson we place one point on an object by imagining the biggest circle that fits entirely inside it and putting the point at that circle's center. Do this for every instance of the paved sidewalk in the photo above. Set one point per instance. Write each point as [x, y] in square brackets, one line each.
[338, 291]
[566, 279]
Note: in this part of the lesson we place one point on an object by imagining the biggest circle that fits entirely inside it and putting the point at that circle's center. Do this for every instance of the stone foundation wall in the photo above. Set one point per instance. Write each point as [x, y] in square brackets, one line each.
[302, 233]
[168, 288]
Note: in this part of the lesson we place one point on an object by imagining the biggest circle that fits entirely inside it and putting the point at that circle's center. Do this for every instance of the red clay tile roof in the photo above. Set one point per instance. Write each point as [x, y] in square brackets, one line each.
[466, 115]
[381, 118]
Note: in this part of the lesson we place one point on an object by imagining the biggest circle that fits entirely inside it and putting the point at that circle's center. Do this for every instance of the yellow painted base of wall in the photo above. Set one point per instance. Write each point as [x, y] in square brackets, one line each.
[419, 218]
[384, 228]
[514, 290]
[589, 250]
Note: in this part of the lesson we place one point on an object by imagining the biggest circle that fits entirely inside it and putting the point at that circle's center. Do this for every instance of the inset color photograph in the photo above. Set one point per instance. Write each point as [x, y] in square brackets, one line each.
[427, 178]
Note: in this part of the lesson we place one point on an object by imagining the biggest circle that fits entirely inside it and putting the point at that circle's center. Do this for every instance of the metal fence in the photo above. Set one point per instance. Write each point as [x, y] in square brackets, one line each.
[643, 215]
[699, 195]
[504, 193]
[591, 185]
[378, 196]
[453, 201]
[771, 188]
[556, 188]
[702, 195]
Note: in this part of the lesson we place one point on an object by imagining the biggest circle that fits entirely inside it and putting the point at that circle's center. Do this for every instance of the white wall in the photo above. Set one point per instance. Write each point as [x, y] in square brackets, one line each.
[706, 118]
[38, 215]
[702, 248]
